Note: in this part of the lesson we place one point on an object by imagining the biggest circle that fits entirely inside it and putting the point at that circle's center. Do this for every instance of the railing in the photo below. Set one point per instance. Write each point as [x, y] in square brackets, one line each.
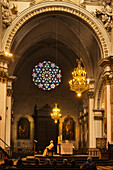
[94, 152]
[7, 151]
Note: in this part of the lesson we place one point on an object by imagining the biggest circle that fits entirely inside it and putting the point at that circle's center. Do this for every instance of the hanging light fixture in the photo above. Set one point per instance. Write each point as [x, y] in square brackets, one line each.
[79, 83]
[56, 115]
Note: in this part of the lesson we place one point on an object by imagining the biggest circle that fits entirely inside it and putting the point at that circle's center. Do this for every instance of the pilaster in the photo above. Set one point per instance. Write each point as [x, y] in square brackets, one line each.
[4, 60]
[91, 115]
[83, 131]
[107, 78]
[0, 25]
[98, 123]
[3, 93]
[9, 109]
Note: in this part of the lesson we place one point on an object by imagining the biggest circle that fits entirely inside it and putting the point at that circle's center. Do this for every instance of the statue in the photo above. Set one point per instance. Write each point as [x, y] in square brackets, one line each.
[14, 9]
[105, 15]
[6, 14]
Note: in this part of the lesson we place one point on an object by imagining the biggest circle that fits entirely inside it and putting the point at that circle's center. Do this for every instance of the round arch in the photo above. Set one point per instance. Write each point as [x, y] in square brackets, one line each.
[95, 26]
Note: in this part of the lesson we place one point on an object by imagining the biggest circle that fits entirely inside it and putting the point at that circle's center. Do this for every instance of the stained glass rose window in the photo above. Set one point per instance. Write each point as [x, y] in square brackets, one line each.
[46, 75]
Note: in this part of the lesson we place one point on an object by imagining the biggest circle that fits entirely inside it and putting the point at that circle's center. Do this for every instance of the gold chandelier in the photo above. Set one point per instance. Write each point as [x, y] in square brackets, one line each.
[56, 113]
[79, 83]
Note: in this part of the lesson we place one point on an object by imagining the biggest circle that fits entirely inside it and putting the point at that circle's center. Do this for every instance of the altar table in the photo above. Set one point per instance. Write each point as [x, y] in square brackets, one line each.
[65, 148]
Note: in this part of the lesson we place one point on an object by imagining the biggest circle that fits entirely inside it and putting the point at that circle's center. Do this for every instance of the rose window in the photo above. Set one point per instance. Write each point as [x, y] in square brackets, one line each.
[46, 75]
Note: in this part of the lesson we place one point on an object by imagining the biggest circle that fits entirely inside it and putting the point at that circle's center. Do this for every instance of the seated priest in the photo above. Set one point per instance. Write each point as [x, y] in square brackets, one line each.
[48, 148]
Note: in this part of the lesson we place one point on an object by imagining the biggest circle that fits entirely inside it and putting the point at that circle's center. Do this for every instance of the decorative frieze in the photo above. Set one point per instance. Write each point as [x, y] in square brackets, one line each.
[33, 2]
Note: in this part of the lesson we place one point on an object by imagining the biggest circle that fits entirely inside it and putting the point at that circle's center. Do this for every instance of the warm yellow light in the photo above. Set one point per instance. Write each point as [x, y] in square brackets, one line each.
[56, 113]
[7, 54]
[79, 82]
[79, 94]
[88, 81]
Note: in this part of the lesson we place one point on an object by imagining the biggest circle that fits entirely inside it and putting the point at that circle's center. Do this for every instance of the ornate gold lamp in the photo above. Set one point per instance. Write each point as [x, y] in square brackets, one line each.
[56, 113]
[79, 83]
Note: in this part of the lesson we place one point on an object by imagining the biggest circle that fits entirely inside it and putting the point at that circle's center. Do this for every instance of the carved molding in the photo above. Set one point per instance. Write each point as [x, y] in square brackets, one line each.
[34, 2]
[98, 118]
[61, 8]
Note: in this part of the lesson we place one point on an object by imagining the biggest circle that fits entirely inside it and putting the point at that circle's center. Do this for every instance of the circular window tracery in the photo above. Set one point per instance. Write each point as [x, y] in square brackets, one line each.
[46, 75]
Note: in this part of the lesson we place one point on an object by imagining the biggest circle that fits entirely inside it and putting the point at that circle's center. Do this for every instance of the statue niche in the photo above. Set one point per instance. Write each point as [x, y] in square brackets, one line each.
[23, 129]
[68, 129]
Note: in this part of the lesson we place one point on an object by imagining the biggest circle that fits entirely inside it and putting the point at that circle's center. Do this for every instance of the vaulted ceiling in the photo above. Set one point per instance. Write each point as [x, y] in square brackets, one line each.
[58, 38]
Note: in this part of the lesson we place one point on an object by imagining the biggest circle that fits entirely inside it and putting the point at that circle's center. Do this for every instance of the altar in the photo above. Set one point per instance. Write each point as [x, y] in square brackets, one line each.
[65, 148]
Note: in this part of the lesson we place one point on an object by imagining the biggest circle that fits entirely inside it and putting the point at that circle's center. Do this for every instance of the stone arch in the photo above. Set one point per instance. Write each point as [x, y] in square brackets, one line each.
[99, 96]
[99, 91]
[96, 27]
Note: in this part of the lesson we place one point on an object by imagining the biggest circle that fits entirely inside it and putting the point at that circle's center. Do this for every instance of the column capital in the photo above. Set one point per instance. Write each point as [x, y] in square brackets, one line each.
[6, 57]
[3, 76]
[108, 61]
[108, 79]
[91, 94]
[11, 78]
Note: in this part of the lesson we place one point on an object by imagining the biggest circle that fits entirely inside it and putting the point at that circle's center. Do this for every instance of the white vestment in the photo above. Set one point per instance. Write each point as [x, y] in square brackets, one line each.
[48, 147]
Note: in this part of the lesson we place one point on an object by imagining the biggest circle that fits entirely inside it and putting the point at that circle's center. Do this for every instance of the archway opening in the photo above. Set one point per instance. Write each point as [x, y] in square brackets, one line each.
[57, 38]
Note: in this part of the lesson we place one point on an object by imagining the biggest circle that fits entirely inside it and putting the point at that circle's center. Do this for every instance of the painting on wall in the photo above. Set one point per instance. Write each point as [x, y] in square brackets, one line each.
[23, 129]
[68, 132]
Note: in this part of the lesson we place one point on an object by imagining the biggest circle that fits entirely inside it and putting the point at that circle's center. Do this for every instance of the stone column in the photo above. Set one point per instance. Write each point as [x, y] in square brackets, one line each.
[91, 116]
[98, 123]
[108, 107]
[0, 26]
[80, 132]
[108, 84]
[8, 111]
[3, 93]
[112, 35]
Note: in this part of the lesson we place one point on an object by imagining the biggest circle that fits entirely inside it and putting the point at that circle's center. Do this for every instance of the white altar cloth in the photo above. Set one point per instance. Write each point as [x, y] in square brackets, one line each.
[65, 148]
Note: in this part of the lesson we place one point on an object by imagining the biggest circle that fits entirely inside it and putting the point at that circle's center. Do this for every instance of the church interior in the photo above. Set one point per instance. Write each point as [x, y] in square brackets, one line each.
[56, 76]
